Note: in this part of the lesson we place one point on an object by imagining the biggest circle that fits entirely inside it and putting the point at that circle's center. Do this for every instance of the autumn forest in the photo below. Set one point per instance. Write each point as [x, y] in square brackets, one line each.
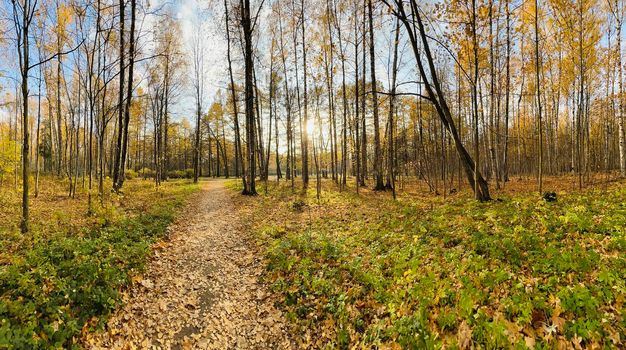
[312, 174]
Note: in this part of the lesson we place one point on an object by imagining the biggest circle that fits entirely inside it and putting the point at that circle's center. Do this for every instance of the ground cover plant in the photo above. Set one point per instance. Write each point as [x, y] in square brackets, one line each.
[424, 273]
[499, 125]
[67, 274]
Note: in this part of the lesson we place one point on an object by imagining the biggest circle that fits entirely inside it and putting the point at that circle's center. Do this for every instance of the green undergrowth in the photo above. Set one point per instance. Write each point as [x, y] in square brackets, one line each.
[64, 280]
[427, 273]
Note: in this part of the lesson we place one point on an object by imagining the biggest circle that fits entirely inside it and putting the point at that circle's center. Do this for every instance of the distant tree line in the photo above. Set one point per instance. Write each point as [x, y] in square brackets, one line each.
[373, 93]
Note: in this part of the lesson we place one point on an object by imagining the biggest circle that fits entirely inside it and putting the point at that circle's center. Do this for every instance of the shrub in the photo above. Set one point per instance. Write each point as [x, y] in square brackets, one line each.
[146, 173]
[180, 174]
[130, 174]
[176, 174]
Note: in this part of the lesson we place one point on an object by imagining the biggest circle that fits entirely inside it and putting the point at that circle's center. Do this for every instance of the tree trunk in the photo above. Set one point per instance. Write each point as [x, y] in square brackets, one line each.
[363, 104]
[129, 95]
[24, 69]
[344, 139]
[238, 152]
[356, 99]
[504, 171]
[475, 83]
[38, 127]
[378, 174]
[120, 101]
[392, 109]
[539, 111]
[249, 94]
[622, 111]
[305, 136]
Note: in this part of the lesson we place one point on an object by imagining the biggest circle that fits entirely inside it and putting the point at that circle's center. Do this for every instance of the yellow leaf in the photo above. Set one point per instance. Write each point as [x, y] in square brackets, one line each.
[530, 342]
[464, 336]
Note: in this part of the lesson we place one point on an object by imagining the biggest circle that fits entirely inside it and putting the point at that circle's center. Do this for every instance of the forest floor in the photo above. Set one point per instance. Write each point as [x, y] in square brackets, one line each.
[201, 287]
[191, 266]
[426, 271]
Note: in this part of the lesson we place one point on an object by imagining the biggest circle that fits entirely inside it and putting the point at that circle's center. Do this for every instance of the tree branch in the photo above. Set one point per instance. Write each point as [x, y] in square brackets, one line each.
[57, 55]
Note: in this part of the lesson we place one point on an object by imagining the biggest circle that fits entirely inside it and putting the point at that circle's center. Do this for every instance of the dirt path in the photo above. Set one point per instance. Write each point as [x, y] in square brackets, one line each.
[201, 289]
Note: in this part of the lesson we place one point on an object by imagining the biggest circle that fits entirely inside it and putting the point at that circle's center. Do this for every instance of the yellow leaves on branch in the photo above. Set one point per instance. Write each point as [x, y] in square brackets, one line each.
[65, 16]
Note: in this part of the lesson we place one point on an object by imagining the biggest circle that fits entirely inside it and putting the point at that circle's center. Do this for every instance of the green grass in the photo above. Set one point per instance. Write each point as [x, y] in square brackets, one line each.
[63, 280]
[424, 273]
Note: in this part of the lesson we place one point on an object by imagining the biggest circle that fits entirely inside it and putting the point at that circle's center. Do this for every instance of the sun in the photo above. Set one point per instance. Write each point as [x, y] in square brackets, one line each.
[310, 127]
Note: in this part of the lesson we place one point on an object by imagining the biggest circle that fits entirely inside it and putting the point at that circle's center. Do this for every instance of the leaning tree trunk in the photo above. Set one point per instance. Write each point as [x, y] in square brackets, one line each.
[436, 96]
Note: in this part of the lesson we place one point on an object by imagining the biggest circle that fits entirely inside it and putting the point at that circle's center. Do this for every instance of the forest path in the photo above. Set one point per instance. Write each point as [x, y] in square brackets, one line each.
[201, 288]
